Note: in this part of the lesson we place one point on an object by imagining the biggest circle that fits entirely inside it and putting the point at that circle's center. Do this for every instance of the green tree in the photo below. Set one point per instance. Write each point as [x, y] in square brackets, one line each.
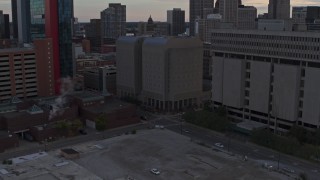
[76, 124]
[299, 132]
[101, 123]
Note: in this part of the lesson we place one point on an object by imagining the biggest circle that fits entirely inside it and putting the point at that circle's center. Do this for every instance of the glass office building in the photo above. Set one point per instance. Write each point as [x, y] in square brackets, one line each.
[54, 19]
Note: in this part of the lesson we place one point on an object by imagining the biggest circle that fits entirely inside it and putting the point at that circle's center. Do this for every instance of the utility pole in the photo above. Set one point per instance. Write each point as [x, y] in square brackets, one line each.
[278, 160]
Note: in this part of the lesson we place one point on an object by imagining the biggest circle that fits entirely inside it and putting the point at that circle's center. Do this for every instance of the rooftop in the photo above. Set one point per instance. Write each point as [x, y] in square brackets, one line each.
[109, 106]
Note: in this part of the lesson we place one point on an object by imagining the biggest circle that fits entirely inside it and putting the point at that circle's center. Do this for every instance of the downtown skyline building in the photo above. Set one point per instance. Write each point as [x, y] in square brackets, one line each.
[279, 9]
[197, 11]
[4, 26]
[54, 19]
[176, 19]
[21, 20]
[113, 22]
[228, 9]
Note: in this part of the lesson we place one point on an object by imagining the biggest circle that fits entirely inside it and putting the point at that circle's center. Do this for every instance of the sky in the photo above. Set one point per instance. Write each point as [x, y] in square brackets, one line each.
[140, 10]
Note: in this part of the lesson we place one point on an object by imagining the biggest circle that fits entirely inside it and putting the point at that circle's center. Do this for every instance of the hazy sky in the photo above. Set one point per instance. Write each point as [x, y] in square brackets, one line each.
[139, 10]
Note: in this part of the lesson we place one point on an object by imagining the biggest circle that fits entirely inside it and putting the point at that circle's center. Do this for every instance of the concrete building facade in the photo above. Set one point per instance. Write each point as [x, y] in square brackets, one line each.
[268, 77]
[129, 66]
[171, 72]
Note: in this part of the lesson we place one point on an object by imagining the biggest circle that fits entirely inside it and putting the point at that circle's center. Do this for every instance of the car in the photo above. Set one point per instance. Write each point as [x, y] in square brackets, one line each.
[186, 131]
[288, 170]
[83, 132]
[219, 145]
[155, 171]
[143, 117]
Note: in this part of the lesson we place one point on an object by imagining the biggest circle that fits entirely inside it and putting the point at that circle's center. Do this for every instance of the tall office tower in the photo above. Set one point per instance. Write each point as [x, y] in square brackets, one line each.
[171, 72]
[259, 79]
[247, 16]
[279, 9]
[176, 19]
[4, 26]
[93, 34]
[21, 20]
[217, 4]
[196, 12]
[113, 21]
[54, 19]
[228, 9]
[306, 18]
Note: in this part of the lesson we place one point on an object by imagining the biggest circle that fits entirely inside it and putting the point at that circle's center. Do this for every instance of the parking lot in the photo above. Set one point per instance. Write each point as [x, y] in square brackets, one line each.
[175, 156]
[134, 155]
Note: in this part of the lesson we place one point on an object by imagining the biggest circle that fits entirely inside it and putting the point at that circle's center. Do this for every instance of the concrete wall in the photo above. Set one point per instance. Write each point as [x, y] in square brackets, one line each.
[285, 91]
[185, 73]
[217, 79]
[259, 86]
[311, 100]
[233, 82]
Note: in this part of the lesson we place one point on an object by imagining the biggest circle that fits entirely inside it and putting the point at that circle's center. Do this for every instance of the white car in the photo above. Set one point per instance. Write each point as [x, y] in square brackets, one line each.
[219, 145]
[155, 171]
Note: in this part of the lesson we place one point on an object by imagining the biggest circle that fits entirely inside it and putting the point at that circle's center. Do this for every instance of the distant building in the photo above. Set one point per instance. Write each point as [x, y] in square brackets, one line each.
[171, 72]
[247, 16]
[4, 26]
[21, 19]
[150, 26]
[113, 22]
[228, 9]
[196, 11]
[176, 19]
[279, 9]
[93, 34]
[268, 77]
[101, 79]
[275, 25]
[205, 26]
[306, 18]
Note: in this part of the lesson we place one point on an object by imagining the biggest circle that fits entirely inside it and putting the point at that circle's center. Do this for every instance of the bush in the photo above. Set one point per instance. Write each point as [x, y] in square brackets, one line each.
[101, 123]
[134, 131]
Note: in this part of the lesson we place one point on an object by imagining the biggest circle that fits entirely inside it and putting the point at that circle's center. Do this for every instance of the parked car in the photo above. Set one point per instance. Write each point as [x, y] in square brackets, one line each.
[143, 117]
[155, 171]
[83, 132]
[219, 145]
[288, 170]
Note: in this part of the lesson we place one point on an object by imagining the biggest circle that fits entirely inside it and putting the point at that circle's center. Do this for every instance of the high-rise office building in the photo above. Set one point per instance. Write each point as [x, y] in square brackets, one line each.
[4, 26]
[113, 21]
[197, 12]
[176, 19]
[306, 18]
[21, 20]
[54, 19]
[279, 9]
[247, 16]
[93, 34]
[217, 4]
[228, 9]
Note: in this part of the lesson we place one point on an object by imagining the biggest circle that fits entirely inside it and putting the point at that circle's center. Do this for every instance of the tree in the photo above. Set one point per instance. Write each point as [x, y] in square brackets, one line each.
[299, 132]
[101, 123]
[76, 124]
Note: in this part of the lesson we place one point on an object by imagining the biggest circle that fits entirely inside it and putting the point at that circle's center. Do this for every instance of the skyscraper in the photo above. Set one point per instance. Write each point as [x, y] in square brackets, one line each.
[196, 11]
[218, 3]
[113, 21]
[54, 19]
[4, 26]
[247, 17]
[228, 9]
[176, 19]
[21, 20]
[279, 9]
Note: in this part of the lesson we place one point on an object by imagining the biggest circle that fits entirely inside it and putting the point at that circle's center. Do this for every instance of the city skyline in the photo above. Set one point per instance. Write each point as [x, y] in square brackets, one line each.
[156, 8]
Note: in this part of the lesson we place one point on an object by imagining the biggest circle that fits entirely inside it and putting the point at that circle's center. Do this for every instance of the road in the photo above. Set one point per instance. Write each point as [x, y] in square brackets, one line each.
[239, 146]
